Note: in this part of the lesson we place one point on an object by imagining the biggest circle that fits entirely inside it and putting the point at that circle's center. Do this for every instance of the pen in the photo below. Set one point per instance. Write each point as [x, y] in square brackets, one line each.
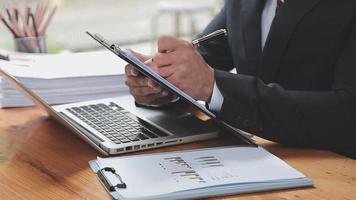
[210, 37]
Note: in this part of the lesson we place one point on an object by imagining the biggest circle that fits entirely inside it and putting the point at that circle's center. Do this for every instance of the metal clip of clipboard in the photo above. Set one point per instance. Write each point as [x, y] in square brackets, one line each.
[110, 179]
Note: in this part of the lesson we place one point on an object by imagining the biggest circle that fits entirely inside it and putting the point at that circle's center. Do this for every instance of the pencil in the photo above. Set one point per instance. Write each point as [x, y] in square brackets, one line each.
[43, 5]
[28, 11]
[25, 26]
[37, 12]
[17, 15]
[29, 32]
[29, 23]
[12, 30]
[46, 24]
[9, 14]
[36, 32]
[8, 26]
[14, 26]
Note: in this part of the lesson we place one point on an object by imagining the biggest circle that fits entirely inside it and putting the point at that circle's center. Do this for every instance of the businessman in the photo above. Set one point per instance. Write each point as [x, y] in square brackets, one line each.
[296, 71]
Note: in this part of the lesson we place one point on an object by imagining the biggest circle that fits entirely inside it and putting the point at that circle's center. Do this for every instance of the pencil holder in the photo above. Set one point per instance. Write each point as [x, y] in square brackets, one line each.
[31, 44]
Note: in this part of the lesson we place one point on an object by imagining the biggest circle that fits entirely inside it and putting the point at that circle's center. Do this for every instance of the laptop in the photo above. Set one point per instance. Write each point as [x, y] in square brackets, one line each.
[115, 125]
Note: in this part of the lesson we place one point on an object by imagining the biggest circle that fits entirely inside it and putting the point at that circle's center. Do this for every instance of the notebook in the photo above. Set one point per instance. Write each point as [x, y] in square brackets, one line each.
[196, 173]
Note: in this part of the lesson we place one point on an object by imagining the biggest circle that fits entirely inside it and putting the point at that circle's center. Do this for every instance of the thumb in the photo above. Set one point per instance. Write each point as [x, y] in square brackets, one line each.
[140, 56]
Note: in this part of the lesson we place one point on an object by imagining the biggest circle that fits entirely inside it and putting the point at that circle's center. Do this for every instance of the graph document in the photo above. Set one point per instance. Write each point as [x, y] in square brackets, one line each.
[169, 173]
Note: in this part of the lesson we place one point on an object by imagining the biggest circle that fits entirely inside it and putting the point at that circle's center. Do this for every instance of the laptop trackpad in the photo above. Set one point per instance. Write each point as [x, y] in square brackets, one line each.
[175, 121]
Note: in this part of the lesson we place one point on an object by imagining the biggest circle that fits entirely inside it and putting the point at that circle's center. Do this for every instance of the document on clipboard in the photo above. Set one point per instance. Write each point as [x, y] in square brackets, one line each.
[196, 173]
[147, 71]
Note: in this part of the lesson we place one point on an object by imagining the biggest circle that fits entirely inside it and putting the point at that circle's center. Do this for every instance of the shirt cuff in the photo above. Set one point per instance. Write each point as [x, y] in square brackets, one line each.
[216, 100]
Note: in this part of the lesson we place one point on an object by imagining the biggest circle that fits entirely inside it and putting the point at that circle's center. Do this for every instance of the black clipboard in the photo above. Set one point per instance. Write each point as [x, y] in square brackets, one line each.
[147, 71]
[144, 69]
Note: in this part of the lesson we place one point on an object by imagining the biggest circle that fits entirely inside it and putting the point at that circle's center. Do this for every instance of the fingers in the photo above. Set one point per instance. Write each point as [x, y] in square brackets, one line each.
[173, 80]
[144, 91]
[139, 56]
[164, 59]
[163, 63]
[142, 85]
[156, 63]
[136, 81]
[166, 72]
[150, 95]
[170, 43]
[131, 71]
[140, 81]
[178, 82]
[152, 84]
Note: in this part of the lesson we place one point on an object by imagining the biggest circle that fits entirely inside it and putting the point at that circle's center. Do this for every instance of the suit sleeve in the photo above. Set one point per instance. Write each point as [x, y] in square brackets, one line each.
[217, 53]
[321, 119]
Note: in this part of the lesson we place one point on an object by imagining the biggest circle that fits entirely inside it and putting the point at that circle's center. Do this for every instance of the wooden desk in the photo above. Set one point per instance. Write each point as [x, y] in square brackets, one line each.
[40, 159]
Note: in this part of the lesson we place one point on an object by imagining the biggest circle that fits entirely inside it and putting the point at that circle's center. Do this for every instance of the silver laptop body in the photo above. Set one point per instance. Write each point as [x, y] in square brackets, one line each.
[149, 128]
[158, 127]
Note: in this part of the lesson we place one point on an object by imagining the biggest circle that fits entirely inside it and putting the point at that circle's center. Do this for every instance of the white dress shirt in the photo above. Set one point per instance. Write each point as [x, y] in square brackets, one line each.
[267, 17]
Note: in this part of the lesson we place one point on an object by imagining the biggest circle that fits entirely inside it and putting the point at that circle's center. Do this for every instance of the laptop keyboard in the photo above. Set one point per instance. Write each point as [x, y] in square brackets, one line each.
[112, 122]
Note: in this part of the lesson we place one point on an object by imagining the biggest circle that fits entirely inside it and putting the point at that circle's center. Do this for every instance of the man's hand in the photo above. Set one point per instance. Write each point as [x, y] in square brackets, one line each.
[183, 66]
[144, 90]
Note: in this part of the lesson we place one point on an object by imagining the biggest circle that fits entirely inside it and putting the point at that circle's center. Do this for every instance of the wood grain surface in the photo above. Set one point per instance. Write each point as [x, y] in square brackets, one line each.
[40, 159]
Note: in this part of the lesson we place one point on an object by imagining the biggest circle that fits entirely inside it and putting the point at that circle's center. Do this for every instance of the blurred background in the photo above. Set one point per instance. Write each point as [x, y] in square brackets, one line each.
[131, 23]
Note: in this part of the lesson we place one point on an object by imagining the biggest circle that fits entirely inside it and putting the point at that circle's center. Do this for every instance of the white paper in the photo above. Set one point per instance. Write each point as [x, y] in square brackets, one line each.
[66, 65]
[63, 78]
[152, 175]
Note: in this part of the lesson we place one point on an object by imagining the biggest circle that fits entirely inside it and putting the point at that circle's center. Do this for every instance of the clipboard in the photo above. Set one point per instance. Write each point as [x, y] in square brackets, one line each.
[147, 71]
[278, 174]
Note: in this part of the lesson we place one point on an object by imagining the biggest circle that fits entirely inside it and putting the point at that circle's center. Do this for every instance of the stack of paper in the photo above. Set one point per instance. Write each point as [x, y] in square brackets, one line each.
[63, 78]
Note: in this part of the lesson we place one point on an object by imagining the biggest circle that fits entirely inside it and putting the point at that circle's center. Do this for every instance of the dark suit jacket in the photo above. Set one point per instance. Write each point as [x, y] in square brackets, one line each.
[301, 88]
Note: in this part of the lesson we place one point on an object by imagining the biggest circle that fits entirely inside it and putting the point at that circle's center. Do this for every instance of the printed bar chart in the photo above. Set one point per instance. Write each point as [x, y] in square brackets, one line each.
[178, 167]
[209, 161]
